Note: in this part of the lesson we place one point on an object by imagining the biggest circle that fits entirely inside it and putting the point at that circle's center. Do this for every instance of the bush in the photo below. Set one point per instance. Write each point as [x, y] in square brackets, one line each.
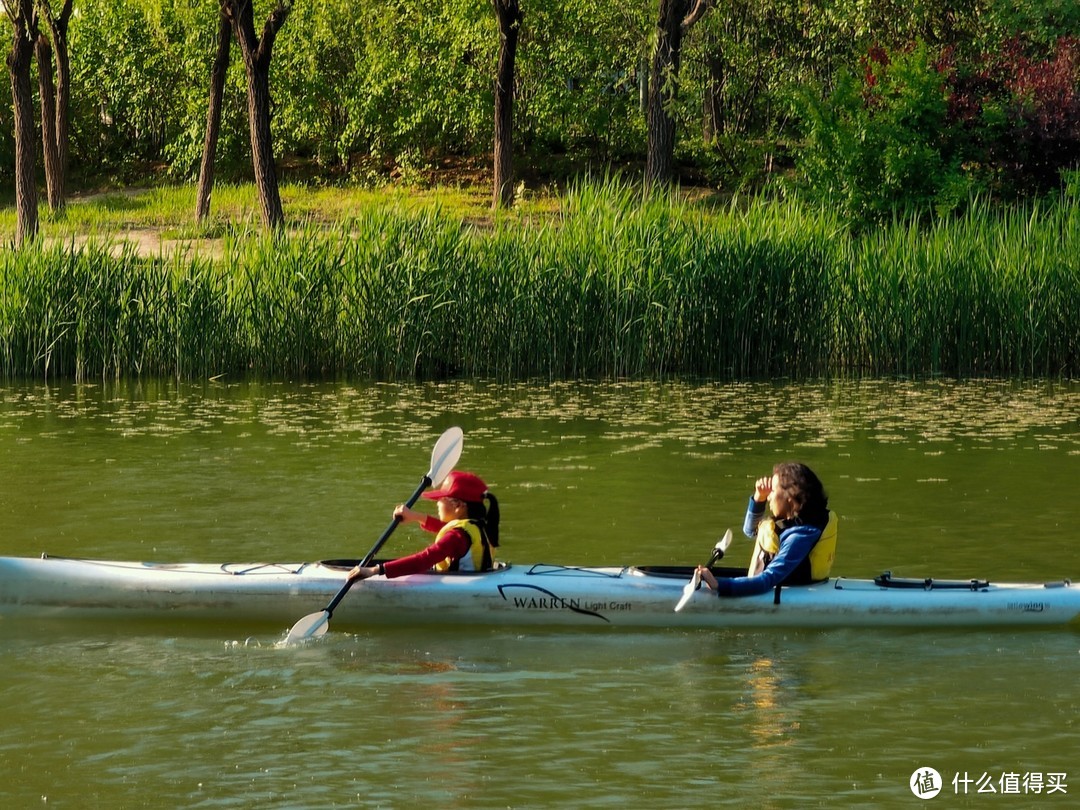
[918, 131]
[879, 142]
[1020, 116]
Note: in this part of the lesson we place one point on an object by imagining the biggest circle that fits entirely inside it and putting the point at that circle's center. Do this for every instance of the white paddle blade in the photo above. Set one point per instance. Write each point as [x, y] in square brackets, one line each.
[446, 454]
[311, 626]
[725, 542]
[688, 590]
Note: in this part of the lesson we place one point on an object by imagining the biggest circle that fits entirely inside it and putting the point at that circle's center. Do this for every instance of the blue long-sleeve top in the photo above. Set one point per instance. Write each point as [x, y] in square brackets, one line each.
[795, 545]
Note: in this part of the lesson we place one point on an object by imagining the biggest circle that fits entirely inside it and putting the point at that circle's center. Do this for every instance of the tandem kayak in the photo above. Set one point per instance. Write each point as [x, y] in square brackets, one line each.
[512, 595]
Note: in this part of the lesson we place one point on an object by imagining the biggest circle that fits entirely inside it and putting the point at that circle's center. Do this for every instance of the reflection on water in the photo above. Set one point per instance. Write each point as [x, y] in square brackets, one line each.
[941, 478]
[768, 708]
[544, 719]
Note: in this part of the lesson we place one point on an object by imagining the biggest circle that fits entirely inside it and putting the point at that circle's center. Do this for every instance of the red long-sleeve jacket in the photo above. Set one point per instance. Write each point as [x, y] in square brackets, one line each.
[453, 544]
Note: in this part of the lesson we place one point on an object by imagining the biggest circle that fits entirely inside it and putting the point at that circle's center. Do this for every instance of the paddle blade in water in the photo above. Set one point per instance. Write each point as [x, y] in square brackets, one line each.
[312, 625]
[688, 590]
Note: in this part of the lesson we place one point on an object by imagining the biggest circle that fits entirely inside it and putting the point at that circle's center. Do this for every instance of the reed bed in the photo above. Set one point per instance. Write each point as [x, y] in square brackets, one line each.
[994, 293]
[616, 285]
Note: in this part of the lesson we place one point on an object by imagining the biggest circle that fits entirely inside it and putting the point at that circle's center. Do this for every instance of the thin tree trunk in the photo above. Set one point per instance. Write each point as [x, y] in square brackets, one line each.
[713, 97]
[262, 149]
[257, 52]
[59, 28]
[509, 17]
[24, 23]
[47, 94]
[213, 118]
[55, 99]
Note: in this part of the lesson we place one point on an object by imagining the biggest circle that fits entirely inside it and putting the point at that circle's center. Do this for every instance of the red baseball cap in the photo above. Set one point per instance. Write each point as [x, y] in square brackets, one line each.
[461, 485]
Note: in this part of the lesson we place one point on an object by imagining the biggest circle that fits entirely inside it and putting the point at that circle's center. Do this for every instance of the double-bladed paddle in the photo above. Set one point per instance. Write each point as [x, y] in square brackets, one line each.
[443, 458]
[695, 580]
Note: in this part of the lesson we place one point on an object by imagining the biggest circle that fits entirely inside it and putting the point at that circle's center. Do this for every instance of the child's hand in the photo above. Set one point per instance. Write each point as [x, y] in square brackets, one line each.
[407, 515]
[360, 572]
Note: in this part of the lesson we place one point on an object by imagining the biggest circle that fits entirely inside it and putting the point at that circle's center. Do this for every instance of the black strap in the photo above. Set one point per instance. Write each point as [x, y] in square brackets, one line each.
[886, 580]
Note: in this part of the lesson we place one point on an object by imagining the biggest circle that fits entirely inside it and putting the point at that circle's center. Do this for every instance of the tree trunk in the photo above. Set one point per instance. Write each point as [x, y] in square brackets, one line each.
[19, 62]
[262, 149]
[713, 97]
[63, 92]
[663, 86]
[509, 18]
[47, 94]
[257, 52]
[676, 17]
[213, 118]
[55, 100]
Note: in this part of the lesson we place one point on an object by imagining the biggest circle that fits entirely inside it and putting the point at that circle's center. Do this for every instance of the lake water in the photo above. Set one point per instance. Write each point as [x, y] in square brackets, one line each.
[943, 479]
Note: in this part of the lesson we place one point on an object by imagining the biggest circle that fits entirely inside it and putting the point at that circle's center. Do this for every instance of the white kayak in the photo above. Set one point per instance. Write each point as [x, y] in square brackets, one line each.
[513, 595]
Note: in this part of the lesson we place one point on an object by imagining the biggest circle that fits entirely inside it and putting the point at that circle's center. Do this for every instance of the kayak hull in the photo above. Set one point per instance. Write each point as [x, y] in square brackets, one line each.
[514, 595]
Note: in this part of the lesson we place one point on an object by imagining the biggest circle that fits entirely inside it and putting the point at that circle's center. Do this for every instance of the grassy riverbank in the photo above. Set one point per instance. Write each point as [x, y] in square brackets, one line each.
[597, 283]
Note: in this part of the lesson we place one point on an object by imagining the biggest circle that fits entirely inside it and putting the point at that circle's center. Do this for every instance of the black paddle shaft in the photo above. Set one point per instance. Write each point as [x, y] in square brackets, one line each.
[424, 484]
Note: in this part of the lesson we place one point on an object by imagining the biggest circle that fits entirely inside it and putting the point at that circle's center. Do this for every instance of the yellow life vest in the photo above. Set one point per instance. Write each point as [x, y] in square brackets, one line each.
[822, 554]
[479, 557]
[766, 546]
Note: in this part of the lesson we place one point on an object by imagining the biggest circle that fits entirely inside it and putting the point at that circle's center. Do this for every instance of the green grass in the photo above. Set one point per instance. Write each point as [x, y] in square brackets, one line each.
[598, 282]
[235, 208]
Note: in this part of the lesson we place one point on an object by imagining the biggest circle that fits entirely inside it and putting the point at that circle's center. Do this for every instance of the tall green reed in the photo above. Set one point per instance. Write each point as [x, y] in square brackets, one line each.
[992, 293]
[617, 285]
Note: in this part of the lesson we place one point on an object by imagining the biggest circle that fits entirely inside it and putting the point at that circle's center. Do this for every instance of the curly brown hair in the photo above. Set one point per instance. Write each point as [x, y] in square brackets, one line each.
[810, 503]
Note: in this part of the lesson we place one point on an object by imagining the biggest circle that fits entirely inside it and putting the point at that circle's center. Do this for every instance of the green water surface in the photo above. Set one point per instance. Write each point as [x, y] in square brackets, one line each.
[944, 479]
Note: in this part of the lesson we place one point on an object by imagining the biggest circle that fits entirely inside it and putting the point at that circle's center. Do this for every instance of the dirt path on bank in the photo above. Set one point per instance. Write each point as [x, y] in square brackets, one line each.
[149, 243]
[146, 240]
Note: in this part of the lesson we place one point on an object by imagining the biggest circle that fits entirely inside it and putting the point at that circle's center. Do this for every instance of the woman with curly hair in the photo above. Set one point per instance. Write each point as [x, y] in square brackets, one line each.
[795, 542]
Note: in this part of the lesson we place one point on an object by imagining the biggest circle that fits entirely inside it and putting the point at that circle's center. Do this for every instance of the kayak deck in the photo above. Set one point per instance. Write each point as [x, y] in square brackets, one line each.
[512, 595]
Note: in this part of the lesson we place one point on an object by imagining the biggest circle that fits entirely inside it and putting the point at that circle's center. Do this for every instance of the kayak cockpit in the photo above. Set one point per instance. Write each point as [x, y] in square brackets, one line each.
[348, 565]
[682, 571]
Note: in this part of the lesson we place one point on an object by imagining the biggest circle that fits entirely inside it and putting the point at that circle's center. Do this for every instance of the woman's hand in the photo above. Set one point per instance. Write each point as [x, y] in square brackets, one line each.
[707, 577]
[762, 489]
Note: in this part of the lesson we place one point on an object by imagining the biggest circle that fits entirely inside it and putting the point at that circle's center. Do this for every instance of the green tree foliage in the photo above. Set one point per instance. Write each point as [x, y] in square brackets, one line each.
[746, 56]
[404, 79]
[127, 76]
[7, 135]
[579, 74]
[878, 141]
[384, 78]
[1040, 23]
[193, 43]
[919, 129]
[364, 87]
[395, 80]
